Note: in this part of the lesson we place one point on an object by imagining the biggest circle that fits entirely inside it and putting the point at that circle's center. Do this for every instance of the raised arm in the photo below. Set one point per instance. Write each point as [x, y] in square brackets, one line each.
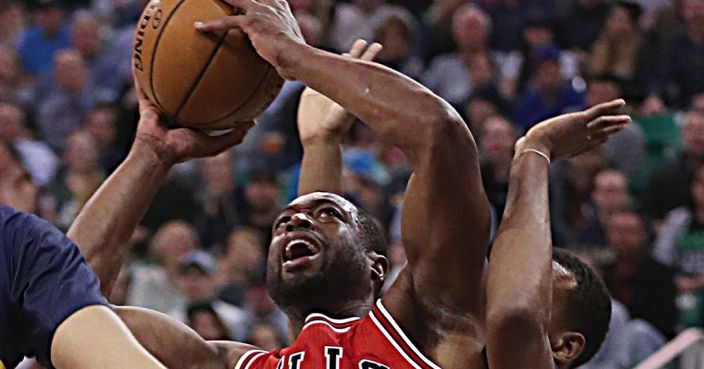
[104, 226]
[322, 125]
[519, 290]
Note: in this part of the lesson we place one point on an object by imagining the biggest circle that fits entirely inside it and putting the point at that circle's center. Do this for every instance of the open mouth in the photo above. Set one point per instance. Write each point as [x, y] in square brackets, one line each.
[299, 251]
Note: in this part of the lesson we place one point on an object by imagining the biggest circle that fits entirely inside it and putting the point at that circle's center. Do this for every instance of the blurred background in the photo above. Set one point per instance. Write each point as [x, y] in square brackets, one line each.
[634, 208]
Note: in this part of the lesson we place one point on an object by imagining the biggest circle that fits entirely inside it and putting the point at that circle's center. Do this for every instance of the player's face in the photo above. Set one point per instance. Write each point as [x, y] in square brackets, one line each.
[316, 259]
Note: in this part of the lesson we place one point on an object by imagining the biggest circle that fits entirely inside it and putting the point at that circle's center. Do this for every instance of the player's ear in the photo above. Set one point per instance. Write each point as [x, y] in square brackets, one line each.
[566, 347]
[379, 266]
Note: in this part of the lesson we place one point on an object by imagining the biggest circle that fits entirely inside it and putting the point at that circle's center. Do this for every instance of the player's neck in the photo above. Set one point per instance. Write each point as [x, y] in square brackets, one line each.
[296, 320]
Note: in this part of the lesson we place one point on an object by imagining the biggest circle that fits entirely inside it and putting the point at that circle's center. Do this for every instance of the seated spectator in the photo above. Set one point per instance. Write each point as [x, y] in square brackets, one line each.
[498, 136]
[196, 280]
[36, 156]
[668, 187]
[437, 29]
[154, 285]
[363, 179]
[609, 196]
[12, 22]
[580, 26]
[206, 322]
[642, 284]
[259, 201]
[624, 150]
[243, 260]
[77, 180]
[571, 183]
[551, 95]
[361, 19]
[61, 110]
[15, 86]
[448, 75]
[101, 123]
[48, 34]
[261, 309]
[16, 187]
[395, 35]
[484, 102]
[680, 244]
[617, 51]
[677, 78]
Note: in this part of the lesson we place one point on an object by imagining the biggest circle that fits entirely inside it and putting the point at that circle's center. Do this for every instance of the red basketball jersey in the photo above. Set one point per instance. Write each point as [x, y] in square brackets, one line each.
[373, 342]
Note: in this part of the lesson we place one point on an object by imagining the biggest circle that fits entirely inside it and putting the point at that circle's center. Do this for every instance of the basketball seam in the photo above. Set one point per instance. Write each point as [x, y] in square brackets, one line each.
[198, 79]
[156, 51]
[265, 78]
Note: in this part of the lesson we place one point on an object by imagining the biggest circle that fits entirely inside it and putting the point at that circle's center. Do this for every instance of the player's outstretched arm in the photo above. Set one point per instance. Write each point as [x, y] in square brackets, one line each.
[104, 226]
[519, 290]
[322, 125]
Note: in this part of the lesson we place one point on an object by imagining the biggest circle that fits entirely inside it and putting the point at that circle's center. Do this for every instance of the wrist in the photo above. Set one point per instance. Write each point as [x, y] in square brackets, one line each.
[151, 151]
[533, 144]
[290, 59]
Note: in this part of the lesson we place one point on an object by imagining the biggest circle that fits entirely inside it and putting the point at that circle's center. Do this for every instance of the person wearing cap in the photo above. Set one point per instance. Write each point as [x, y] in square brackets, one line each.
[550, 95]
[49, 34]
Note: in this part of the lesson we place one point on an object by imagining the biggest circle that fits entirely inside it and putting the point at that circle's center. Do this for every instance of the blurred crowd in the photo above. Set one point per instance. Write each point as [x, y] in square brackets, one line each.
[633, 208]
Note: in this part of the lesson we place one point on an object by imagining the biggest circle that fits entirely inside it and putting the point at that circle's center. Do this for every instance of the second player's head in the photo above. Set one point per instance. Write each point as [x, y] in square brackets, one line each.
[581, 311]
[326, 255]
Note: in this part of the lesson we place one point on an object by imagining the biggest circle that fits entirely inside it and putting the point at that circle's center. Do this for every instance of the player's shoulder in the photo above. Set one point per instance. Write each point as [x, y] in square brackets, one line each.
[12, 220]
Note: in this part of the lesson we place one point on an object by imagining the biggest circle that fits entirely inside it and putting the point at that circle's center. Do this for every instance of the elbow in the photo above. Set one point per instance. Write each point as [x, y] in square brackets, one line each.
[443, 129]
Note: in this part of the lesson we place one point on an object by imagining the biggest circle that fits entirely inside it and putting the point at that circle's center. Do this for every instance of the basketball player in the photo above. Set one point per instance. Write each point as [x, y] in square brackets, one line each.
[545, 309]
[50, 303]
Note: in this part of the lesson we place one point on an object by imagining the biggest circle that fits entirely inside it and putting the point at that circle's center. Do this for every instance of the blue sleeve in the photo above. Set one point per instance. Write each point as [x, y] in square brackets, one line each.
[51, 281]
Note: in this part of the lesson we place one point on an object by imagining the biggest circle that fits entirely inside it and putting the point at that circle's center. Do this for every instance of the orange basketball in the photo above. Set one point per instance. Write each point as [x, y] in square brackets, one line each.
[201, 80]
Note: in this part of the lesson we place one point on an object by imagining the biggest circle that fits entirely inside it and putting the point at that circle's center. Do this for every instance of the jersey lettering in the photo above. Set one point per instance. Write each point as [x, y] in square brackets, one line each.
[280, 365]
[368, 364]
[333, 355]
[294, 362]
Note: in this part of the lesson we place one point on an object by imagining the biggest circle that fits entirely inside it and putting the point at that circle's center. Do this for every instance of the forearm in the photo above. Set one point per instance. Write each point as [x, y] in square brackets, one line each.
[520, 267]
[104, 226]
[321, 167]
[394, 106]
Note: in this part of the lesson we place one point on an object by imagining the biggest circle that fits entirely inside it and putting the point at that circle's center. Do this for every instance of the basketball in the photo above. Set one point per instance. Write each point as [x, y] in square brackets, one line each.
[200, 80]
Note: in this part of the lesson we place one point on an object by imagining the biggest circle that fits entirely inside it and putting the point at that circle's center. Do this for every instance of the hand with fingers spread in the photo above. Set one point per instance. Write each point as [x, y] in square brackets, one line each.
[177, 145]
[574, 133]
[269, 24]
[320, 118]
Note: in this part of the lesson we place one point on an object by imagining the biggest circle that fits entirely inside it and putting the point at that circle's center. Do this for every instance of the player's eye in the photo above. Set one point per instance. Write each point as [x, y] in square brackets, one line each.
[328, 212]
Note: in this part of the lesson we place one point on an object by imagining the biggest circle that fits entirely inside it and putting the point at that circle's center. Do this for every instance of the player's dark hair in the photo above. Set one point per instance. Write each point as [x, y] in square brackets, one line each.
[373, 237]
[589, 303]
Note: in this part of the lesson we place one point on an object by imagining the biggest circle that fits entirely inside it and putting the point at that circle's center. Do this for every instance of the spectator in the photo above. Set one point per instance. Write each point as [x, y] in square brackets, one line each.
[363, 180]
[668, 186]
[101, 124]
[154, 286]
[220, 212]
[437, 33]
[14, 85]
[48, 34]
[260, 205]
[617, 51]
[36, 156]
[243, 260]
[261, 309]
[362, 19]
[448, 75]
[207, 323]
[484, 102]
[681, 68]
[395, 35]
[77, 180]
[624, 150]
[61, 112]
[16, 188]
[645, 286]
[680, 244]
[609, 196]
[498, 137]
[581, 26]
[551, 95]
[12, 22]
[197, 270]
